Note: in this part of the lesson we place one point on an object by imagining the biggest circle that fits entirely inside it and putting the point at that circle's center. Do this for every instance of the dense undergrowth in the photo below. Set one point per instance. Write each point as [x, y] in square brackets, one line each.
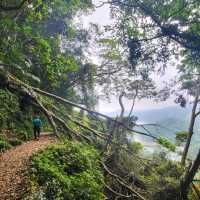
[162, 176]
[71, 171]
[68, 171]
[156, 178]
[15, 120]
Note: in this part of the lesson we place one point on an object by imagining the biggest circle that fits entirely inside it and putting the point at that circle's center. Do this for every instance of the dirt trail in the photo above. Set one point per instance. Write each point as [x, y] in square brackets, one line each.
[13, 165]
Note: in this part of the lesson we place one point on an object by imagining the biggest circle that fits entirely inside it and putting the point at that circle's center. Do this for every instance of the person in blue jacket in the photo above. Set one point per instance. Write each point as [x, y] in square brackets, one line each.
[37, 123]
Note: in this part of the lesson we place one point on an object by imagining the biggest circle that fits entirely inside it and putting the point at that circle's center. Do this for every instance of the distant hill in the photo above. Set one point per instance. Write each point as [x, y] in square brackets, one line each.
[157, 115]
[154, 115]
[170, 120]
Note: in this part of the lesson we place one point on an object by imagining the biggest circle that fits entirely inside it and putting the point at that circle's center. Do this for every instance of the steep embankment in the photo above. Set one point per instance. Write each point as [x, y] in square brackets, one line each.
[13, 165]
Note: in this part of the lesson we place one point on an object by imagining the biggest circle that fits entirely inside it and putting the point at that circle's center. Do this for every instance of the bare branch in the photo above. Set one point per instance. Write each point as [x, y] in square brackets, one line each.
[117, 193]
[121, 181]
[62, 100]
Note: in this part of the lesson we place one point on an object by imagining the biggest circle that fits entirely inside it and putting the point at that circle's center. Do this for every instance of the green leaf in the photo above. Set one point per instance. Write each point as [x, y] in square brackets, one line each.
[166, 143]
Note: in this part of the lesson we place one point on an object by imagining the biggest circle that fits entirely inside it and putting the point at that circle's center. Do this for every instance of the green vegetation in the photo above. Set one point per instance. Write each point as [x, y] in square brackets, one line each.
[13, 117]
[162, 178]
[15, 141]
[70, 171]
[15, 120]
[181, 137]
[4, 145]
[166, 143]
[136, 147]
[47, 66]
[7, 143]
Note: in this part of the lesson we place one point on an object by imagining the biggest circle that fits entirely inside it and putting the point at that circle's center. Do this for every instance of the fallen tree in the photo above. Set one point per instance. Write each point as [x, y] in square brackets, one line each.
[36, 95]
[11, 83]
[15, 85]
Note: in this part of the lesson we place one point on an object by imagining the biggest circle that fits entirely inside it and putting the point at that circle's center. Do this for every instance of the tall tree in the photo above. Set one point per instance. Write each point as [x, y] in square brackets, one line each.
[187, 180]
[36, 40]
[176, 20]
[189, 79]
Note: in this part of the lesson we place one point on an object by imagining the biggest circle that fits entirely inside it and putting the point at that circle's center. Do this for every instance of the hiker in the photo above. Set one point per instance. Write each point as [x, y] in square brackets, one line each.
[37, 123]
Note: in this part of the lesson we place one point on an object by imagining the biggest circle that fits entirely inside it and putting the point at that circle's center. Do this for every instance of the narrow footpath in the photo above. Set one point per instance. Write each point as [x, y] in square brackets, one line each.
[13, 167]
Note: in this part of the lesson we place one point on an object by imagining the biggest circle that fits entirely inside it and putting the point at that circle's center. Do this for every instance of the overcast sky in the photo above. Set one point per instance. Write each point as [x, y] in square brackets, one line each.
[101, 16]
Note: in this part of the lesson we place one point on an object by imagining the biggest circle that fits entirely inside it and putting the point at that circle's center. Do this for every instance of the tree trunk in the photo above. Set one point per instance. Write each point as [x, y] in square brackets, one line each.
[185, 183]
[119, 130]
[191, 129]
[122, 106]
[10, 82]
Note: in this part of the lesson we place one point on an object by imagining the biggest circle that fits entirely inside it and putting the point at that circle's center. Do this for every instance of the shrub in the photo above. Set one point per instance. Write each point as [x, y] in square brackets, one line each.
[166, 143]
[15, 116]
[136, 147]
[15, 142]
[68, 172]
[4, 145]
[181, 137]
[162, 177]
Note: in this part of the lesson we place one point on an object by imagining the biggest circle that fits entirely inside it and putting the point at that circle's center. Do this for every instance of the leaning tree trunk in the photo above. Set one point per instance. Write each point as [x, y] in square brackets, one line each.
[185, 183]
[191, 129]
[8, 81]
[15, 87]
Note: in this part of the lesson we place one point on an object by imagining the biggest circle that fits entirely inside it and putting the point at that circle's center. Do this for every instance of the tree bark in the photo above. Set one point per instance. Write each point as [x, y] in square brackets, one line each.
[191, 129]
[119, 131]
[122, 106]
[185, 183]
